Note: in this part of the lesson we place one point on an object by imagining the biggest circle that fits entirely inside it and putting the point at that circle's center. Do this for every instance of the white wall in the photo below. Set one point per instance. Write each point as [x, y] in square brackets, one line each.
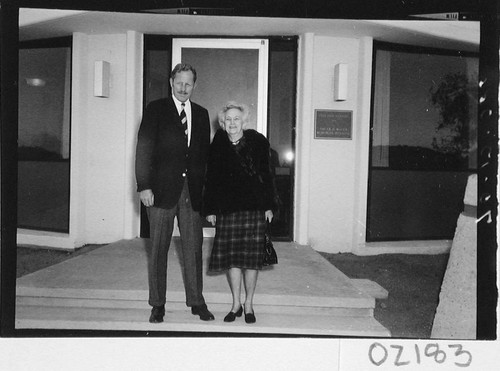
[331, 166]
[111, 125]
[105, 142]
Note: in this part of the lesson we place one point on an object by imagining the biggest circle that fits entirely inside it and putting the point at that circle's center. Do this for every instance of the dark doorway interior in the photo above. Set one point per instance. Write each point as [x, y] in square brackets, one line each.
[157, 67]
[281, 129]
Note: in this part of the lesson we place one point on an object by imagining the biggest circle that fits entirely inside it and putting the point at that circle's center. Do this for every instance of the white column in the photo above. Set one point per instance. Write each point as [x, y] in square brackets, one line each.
[77, 205]
[304, 134]
[362, 136]
[134, 95]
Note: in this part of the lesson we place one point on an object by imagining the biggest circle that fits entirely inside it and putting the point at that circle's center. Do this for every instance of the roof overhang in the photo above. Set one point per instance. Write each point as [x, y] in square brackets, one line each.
[45, 23]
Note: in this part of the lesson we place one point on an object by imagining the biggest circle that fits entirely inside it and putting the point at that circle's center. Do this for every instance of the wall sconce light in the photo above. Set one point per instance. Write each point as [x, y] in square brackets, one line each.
[340, 82]
[101, 79]
[35, 81]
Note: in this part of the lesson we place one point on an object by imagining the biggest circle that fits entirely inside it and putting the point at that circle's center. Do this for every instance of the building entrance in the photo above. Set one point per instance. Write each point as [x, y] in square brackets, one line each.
[258, 72]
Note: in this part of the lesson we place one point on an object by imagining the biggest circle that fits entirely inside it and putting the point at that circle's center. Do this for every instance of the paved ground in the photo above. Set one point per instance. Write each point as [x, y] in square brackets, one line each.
[413, 282]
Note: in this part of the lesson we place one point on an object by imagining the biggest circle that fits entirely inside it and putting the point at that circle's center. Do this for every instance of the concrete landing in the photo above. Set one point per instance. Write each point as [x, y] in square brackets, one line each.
[106, 289]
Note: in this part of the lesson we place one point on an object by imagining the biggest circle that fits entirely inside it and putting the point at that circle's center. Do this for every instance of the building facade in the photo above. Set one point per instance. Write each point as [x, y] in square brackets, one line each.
[334, 74]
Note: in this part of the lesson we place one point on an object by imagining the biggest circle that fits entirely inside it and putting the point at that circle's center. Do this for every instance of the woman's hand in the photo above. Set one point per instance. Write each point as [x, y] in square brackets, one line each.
[211, 219]
[269, 215]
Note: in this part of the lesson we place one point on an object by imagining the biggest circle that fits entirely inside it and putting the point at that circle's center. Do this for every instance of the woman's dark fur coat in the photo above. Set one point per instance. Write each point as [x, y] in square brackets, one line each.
[239, 182]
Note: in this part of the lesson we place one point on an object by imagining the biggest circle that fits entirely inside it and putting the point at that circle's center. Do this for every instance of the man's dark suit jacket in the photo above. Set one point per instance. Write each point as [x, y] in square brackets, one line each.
[163, 158]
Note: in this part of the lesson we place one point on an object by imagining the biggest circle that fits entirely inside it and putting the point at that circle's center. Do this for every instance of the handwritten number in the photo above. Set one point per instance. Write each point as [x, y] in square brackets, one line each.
[378, 354]
[417, 352]
[459, 352]
[398, 356]
[370, 354]
[435, 353]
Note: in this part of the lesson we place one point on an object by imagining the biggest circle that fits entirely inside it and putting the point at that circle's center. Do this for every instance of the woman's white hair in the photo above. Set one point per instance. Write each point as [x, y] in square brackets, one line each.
[230, 105]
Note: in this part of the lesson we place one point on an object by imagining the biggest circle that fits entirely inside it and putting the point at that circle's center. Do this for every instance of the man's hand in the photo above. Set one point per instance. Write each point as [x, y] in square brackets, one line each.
[211, 219]
[147, 197]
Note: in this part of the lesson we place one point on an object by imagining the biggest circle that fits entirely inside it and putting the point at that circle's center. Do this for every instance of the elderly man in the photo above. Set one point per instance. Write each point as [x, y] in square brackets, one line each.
[172, 150]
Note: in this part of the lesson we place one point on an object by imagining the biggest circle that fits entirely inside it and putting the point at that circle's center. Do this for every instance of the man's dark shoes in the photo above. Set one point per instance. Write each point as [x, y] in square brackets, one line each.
[157, 314]
[231, 316]
[203, 312]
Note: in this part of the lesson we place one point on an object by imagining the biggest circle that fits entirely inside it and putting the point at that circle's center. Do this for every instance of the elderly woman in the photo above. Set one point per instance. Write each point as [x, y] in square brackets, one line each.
[239, 194]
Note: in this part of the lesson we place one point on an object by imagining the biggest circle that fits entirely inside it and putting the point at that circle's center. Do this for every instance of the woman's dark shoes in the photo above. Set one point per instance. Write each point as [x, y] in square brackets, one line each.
[250, 317]
[231, 316]
[157, 314]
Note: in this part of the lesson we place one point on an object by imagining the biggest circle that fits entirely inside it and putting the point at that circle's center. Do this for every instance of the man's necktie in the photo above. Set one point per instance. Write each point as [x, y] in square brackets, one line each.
[184, 121]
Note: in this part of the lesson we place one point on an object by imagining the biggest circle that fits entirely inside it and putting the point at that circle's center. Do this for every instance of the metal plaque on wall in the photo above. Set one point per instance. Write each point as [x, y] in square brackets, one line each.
[332, 124]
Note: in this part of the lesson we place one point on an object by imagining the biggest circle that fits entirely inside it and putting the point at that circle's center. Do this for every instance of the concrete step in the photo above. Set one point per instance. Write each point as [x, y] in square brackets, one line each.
[270, 303]
[134, 319]
[370, 287]
[269, 306]
[106, 289]
[285, 299]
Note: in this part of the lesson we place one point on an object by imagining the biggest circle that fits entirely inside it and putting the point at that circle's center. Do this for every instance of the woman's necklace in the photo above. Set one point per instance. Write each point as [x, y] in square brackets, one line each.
[235, 142]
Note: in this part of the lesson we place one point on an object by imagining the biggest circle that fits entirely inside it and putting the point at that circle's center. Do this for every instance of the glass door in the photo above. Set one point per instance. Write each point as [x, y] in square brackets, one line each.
[227, 70]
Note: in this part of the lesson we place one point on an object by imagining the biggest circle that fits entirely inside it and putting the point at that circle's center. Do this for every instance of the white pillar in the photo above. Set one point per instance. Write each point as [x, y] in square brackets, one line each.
[304, 134]
[134, 81]
[362, 134]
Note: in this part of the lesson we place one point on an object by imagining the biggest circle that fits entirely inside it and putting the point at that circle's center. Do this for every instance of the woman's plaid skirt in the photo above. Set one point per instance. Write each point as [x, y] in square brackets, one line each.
[239, 241]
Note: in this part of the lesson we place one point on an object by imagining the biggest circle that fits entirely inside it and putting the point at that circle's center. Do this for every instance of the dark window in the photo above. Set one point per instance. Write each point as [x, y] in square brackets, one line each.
[423, 141]
[44, 134]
